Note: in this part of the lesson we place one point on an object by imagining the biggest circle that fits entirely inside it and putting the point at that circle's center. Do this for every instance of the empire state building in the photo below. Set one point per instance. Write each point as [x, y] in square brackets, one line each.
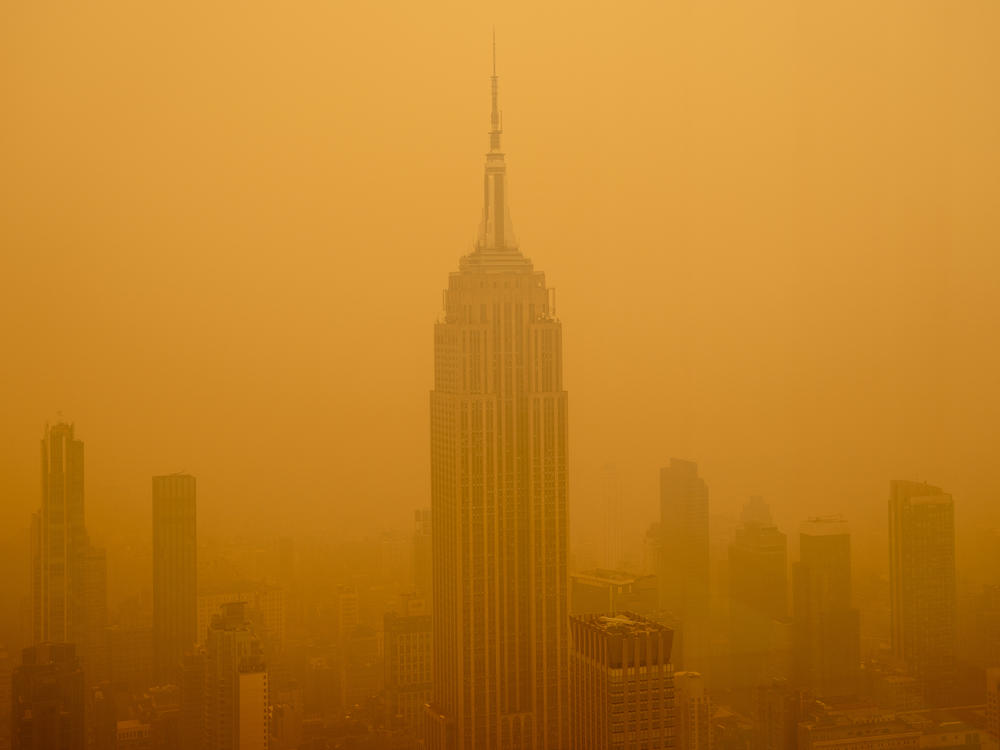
[498, 495]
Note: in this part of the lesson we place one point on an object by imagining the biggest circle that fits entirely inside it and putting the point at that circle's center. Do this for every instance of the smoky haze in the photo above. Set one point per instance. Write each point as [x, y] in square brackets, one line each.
[771, 227]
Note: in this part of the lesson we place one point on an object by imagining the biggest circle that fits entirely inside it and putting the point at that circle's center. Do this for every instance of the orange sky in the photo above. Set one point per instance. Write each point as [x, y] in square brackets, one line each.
[772, 227]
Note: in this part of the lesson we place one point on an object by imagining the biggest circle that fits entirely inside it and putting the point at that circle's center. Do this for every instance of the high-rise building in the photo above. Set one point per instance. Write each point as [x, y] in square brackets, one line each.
[693, 710]
[922, 585]
[611, 500]
[758, 599]
[47, 698]
[345, 613]
[993, 703]
[684, 556]
[362, 674]
[175, 570]
[777, 708]
[498, 495]
[254, 707]
[131, 647]
[827, 626]
[6, 674]
[408, 656]
[93, 647]
[422, 561]
[621, 683]
[68, 576]
[235, 695]
[758, 571]
[265, 607]
[59, 541]
[192, 711]
[652, 548]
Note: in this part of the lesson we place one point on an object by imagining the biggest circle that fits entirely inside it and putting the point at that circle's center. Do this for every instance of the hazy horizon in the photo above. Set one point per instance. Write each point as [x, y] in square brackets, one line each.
[773, 235]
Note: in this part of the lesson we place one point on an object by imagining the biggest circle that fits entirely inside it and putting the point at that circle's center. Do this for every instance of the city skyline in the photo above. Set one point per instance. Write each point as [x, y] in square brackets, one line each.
[778, 275]
[871, 258]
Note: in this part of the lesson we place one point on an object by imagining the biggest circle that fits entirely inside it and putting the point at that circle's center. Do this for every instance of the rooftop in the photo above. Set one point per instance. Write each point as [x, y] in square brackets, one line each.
[622, 623]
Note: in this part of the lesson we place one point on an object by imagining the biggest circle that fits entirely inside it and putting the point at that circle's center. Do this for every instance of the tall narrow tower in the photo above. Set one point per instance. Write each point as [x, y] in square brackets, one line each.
[498, 495]
[827, 626]
[922, 585]
[175, 571]
[684, 560]
[59, 542]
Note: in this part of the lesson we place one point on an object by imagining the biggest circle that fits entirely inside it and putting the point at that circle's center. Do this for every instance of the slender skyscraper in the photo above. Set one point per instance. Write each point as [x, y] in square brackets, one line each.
[498, 495]
[684, 559]
[68, 576]
[827, 627]
[922, 584]
[758, 582]
[175, 567]
[59, 542]
[422, 561]
[611, 488]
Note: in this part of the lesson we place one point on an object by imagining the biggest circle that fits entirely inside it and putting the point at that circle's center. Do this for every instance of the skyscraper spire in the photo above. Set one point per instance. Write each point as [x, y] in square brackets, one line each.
[495, 130]
[496, 232]
[499, 489]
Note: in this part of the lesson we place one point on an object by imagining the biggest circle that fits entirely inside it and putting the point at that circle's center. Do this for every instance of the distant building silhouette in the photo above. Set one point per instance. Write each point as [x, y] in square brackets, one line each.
[599, 591]
[192, 709]
[611, 526]
[758, 595]
[684, 555]
[777, 708]
[758, 571]
[235, 697]
[922, 585]
[131, 655]
[408, 668]
[827, 626]
[68, 576]
[6, 675]
[693, 709]
[175, 574]
[498, 495]
[47, 695]
[621, 683]
[993, 702]
[59, 540]
[855, 727]
[265, 608]
[422, 560]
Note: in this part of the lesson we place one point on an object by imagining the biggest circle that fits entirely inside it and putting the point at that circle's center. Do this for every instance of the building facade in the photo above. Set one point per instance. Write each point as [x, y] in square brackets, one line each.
[59, 541]
[68, 575]
[621, 683]
[47, 699]
[922, 585]
[498, 495]
[408, 671]
[235, 678]
[599, 591]
[693, 709]
[827, 637]
[684, 556]
[758, 602]
[993, 703]
[175, 573]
